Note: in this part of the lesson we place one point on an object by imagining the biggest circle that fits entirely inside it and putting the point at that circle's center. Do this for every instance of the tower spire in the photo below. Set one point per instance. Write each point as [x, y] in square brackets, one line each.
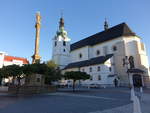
[105, 24]
[61, 22]
[36, 57]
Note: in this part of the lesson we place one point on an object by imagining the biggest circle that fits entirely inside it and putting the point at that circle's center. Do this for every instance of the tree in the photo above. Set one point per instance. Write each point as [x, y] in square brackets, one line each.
[76, 75]
[50, 73]
[51, 64]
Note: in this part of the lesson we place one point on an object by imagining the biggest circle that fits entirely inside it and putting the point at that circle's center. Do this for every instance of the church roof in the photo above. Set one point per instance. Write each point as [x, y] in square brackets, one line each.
[92, 61]
[106, 35]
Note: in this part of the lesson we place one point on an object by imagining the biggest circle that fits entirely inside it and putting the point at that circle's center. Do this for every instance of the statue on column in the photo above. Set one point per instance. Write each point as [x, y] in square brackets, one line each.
[131, 62]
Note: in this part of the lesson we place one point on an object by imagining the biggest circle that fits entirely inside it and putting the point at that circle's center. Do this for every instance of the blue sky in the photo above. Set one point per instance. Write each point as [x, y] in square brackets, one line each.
[82, 18]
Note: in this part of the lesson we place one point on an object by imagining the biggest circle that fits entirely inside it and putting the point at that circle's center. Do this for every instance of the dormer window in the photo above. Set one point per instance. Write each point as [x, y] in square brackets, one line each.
[64, 43]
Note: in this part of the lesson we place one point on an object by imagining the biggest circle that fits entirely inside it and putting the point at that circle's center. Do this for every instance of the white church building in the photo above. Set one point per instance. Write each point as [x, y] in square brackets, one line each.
[104, 55]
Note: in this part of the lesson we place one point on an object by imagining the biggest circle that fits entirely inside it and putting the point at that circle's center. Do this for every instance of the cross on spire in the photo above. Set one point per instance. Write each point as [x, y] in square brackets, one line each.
[105, 24]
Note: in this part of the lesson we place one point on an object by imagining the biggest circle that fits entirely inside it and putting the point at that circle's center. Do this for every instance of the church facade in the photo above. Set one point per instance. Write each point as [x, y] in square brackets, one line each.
[106, 55]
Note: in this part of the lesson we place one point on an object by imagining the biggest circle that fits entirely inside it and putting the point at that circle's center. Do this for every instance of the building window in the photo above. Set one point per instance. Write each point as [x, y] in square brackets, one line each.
[82, 70]
[105, 50]
[80, 55]
[90, 69]
[110, 69]
[99, 77]
[142, 46]
[114, 48]
[98, 52]
[64, 43]
[38, 80]
[64, 50]
[91, 78]
[55, 43]
[98, 68]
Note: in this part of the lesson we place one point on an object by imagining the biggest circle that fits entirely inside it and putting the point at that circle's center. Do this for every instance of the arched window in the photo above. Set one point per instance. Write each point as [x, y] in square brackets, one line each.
[64, 43]
[99, 77]
[82, 70]
[90, 69]
[98, 68]
[55, 43]
[114, 48]
[64, 50]
[80, 55]
[91, 78]
[98, 52]
[110, 69]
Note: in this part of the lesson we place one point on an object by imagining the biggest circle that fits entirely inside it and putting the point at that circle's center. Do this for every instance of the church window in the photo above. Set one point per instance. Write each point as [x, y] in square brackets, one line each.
[142, 46]
[114, 48]
[110, 69]
[105, 50]
[91, 78]
[99, 77]
[80, 55]
[97, 52]
[64, 50]
[98, 68]
[82, 70]
[38, 79]
[64, 43]
[90, 69]
[55, 43]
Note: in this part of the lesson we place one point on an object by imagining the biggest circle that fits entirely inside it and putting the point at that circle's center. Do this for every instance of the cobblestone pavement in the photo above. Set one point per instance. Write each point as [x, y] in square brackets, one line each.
[109, 100]
[145, 106]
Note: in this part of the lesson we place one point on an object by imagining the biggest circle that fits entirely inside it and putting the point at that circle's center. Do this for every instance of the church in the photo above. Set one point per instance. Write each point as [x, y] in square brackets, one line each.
[106, 55]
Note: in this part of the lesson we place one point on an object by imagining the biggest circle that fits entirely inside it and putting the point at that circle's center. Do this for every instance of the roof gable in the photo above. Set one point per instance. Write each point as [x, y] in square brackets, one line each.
[109, 34]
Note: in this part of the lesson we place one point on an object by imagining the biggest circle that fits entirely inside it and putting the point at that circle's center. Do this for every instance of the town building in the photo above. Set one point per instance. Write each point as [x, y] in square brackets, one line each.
[106, 55]
[6, 60]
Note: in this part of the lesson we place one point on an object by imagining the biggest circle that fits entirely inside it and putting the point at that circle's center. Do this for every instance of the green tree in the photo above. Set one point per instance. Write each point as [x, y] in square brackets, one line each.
[76, 75]
[17, 72]
[51, 64]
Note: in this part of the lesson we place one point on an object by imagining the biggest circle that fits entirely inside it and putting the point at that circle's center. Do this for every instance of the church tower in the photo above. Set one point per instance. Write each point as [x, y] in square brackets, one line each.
[61, 46]
[36, 57]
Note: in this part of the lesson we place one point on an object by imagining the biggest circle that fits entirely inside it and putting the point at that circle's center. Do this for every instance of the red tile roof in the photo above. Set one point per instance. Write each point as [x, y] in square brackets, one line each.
[11, 58]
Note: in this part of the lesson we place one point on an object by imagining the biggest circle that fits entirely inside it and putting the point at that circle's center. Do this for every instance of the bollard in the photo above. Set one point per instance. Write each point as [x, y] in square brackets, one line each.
[141, 89]
[132, 94]
[136, 105]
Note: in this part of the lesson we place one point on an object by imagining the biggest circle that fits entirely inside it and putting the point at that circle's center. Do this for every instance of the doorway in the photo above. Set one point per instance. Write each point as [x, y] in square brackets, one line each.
[137, 80]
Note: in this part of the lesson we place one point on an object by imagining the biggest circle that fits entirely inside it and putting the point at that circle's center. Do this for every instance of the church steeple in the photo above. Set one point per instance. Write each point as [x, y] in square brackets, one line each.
[61, 46]
[105, 24]
[61, 23]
